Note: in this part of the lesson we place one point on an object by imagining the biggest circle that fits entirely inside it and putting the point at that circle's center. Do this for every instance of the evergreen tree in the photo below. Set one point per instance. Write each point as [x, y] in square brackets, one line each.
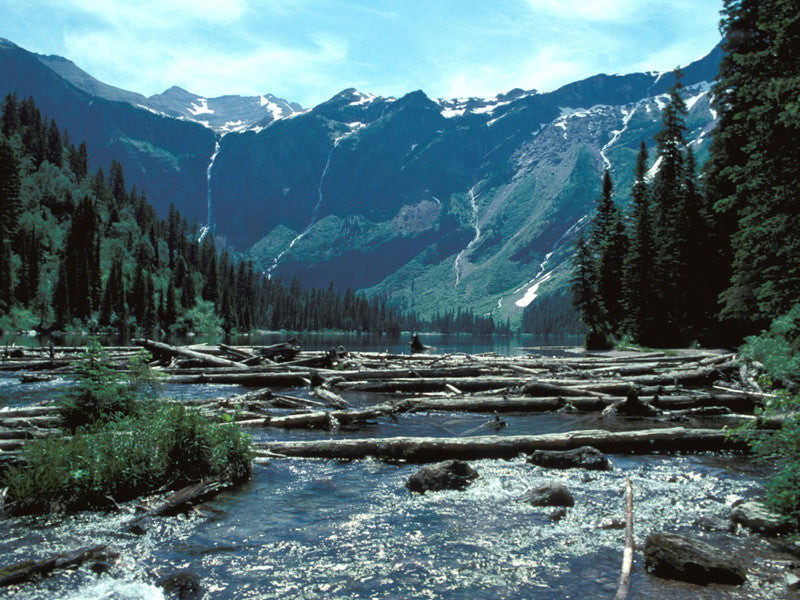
[10, 203]
[54, 149]
[10, 115]
[639, 301]
[754, 168]
[585, 297]
[79, 274]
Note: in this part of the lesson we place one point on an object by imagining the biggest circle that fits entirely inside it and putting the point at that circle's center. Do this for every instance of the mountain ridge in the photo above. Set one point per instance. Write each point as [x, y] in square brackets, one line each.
[432, 203]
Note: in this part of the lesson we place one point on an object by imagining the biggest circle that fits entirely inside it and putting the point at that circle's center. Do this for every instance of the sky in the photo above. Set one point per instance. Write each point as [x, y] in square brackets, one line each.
[306, 51]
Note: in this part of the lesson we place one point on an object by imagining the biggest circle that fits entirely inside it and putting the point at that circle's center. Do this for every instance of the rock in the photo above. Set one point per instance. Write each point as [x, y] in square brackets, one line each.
[633, 407]
[714, 523]
[672, 556]
[756, 516]
[448, 475]
[611, 524]
[792, 582]
[558, 514]
[584, 457]
[182, 585]
[552, 494]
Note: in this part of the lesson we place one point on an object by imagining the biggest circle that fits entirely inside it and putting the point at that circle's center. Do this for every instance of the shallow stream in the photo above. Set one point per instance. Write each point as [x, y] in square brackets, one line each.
[306, 528]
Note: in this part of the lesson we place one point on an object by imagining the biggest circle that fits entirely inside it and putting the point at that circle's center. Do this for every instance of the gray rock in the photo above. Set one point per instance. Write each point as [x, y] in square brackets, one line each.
[552, 494]
[558, 514]
[715, 523]
[672, 556]
[584, 457]
[756, 516]
[448, 475]
[181, 585]
[792, 582]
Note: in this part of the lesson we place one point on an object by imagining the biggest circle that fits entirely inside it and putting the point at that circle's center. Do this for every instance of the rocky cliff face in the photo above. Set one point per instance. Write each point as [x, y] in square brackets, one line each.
[436, 204]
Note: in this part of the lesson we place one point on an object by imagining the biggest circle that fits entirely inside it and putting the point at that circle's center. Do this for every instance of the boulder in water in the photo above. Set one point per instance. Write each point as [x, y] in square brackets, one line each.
[756, 516]
[448, 475]
[552, 494]
[181, 585]
[585, 457]
[673, 556]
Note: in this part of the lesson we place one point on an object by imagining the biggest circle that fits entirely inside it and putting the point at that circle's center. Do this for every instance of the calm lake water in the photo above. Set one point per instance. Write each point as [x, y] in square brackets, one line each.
[316, 529]
[443, 343]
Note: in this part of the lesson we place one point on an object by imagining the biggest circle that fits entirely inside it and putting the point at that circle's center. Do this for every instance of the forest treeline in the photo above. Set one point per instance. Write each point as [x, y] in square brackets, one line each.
[708, 256]
[79, 250]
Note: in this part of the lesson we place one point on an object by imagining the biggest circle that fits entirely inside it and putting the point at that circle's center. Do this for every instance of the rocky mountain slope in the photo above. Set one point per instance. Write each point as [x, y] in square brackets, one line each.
[433, 203]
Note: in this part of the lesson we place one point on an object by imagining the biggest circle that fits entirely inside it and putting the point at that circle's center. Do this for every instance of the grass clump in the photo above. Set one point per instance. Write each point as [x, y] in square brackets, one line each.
[122, 447]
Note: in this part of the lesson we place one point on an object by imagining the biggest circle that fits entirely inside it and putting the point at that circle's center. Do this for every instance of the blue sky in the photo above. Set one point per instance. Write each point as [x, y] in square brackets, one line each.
[308, 50]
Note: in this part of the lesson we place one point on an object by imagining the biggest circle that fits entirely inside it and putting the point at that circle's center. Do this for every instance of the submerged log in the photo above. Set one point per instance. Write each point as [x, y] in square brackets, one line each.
[168, 350]
[28, 570]
[427, 449]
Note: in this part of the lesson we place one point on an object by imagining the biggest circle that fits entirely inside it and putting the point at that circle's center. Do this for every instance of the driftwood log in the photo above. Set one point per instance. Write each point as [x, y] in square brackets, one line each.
[427, 449]
[157, 348]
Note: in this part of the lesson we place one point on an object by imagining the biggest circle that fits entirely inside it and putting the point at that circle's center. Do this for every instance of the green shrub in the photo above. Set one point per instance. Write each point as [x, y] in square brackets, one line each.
[778, 350]
[163, 446]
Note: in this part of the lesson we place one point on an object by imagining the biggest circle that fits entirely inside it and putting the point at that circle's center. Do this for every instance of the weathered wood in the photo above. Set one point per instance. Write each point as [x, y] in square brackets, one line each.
[430, 384]
[28, 411]
[627, 555]
[329, 397]
[168, 350]
[186, 497]
[29, 570]
[299, 379]
[328, 420]
[427, 449]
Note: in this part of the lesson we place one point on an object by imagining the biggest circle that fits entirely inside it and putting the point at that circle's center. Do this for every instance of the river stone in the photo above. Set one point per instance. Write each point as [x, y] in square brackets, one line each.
[756, 516]
[552, 494]
[792, 582]
[672, 556]
[714, 523]
[181, 585]
[585, 457]
[448, 475]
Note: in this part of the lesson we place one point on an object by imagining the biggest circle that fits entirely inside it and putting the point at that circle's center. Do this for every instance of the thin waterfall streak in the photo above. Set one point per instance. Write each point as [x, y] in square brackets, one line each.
[476, 225]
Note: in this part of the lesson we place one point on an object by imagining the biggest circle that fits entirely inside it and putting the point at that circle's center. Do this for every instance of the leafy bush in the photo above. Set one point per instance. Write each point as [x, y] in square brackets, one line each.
[126, 443]
[778, 350]
[164, 446]
[102, 394]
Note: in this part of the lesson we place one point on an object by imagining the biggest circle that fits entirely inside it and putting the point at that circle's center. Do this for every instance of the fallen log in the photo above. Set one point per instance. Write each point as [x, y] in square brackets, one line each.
[426, 384]
[282, 352]
[328, 420]
[29, 570]
[173, 351]
[427, 449]
[299, 379]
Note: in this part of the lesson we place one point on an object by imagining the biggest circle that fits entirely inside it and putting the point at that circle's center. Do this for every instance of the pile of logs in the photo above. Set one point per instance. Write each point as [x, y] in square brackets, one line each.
[673, 386]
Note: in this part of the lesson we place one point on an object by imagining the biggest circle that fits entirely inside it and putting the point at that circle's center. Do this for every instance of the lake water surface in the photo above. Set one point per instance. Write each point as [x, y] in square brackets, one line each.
[317, 529]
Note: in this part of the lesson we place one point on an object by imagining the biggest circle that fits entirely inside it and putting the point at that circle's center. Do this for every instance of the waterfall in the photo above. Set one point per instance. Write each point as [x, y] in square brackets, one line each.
[475, 239]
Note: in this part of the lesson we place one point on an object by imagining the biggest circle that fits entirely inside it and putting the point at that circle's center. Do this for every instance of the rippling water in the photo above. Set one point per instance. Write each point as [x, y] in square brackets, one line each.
[314, 529]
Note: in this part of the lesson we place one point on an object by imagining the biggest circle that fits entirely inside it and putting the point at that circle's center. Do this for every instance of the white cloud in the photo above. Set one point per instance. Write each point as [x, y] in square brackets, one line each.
[161, 13]
[591, 10]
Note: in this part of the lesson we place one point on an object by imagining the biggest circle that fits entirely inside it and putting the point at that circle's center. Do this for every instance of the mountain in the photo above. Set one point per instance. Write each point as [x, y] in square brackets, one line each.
[166, 157]
[442, 203]
[222, 114]
[433, 203]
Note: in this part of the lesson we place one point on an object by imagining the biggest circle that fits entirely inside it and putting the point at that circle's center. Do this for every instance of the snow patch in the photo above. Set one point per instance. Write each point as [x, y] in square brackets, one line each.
[200, 107]
[449, 113]
[651, 173]
[363, 99]
[532, 292]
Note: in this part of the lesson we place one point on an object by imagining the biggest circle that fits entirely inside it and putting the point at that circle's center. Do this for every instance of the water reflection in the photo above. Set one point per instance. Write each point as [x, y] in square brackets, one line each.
[367, 342]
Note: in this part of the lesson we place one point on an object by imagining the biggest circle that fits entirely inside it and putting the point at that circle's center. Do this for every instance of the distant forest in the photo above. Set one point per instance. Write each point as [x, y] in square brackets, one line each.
[81, 251]
[708, 256]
